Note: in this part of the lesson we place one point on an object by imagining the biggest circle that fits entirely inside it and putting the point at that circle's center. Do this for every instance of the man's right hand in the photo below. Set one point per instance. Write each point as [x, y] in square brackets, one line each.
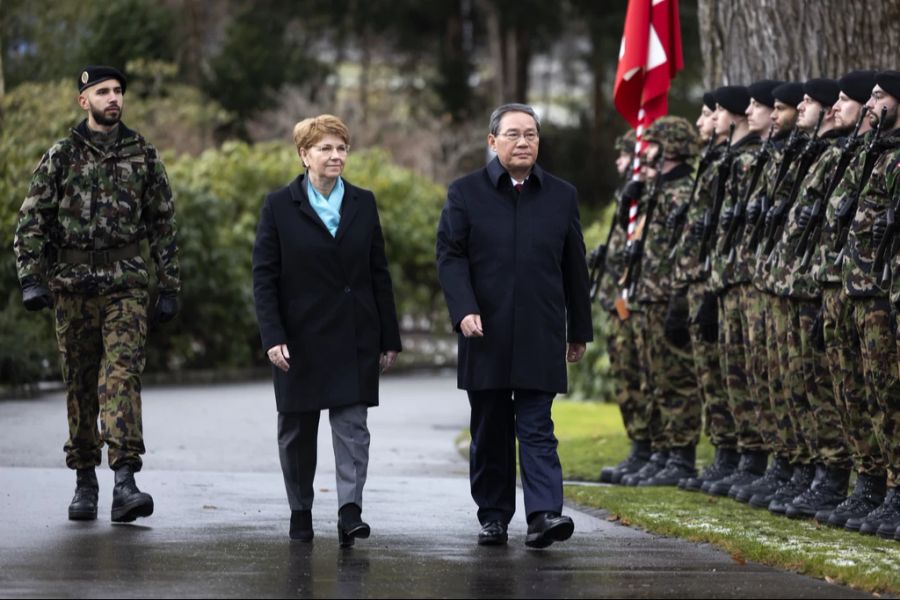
[471, 326]
[36, 297]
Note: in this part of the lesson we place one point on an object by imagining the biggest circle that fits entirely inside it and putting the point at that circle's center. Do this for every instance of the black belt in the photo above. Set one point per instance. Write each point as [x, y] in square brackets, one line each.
[98, 258]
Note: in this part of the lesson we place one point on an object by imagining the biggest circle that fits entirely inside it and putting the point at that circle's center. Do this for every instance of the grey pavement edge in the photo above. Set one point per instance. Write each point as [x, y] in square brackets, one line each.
[220, 524]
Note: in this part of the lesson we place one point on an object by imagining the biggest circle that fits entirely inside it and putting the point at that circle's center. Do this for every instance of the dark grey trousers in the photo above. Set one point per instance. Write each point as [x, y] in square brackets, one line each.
[297, 443]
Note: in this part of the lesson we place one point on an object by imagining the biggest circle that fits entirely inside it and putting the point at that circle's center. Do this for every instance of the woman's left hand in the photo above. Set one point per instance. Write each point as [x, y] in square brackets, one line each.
[387, 360]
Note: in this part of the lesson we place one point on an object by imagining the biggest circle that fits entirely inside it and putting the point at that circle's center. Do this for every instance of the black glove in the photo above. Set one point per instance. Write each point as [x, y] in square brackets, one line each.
[632, 192]
[676, 323]
[166, 308]
[817, 331]
[707, 318]
[697, 229]
[597, 255]
[770, 216]
[726, 218]
[754, 208]
[36, 296]
[879, 228]
[804, 217]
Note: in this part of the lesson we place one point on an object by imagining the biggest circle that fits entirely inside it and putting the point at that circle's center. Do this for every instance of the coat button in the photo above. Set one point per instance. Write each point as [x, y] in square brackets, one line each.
[347, 289]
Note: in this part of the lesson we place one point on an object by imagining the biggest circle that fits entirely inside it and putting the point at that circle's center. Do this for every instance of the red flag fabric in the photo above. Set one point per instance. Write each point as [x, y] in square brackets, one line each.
[649, 58]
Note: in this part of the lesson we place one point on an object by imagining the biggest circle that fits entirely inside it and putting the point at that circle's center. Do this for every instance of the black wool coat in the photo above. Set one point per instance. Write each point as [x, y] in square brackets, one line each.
[518, 260]
[330, 299]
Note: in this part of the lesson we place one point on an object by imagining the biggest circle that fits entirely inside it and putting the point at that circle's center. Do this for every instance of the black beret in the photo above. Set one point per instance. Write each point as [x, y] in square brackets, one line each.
[889, 81]
[709, 100]
[761, 91]
[94, 74]
[822, 90]
[733, 98]
[790, 93]
[858, 85]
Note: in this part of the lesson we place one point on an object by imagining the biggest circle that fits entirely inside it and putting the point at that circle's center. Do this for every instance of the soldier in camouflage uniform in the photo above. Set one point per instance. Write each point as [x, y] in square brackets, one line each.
[806, 380]
[94, 196]
[869, 302]
[892, 179]
[690, 283]
[849, 384]
[665, 346]
[730, 284]
[625, 365]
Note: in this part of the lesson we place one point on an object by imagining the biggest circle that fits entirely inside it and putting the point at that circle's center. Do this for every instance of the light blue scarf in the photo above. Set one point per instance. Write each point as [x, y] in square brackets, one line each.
[328, 209]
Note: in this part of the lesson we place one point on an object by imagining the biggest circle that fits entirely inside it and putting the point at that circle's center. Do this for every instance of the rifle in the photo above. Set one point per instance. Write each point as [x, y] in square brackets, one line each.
[880, 263]
[738, 221]
[597, 262]
[635, 252]
[812, 233]
[681, 213]
[807, 156]
[791, 147]
[847, 210]
[711, 216]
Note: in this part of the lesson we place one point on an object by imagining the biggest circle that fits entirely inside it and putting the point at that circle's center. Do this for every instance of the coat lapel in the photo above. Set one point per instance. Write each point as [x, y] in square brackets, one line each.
[349, 209]
[298, 194]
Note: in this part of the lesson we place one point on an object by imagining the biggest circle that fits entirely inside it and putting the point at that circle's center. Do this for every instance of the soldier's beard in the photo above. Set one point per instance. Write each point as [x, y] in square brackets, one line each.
[101, 118]
[890, 119]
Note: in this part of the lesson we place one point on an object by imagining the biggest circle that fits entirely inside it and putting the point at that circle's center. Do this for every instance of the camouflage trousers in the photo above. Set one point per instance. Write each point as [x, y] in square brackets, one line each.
[810, 388]
[625, 366]
[101, 344]
[871, 346]
[717, 417]
[754, 304]
[842, 350]
[786, 387]
[733, 352]
[671, 382]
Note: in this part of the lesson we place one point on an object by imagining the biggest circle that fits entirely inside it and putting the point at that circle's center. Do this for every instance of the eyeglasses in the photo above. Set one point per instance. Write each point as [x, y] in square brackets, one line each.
[328, 149]
[514, 136]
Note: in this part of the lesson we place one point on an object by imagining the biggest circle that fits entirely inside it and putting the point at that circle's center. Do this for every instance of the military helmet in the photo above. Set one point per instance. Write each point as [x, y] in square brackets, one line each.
[676, 135]
[625, 142]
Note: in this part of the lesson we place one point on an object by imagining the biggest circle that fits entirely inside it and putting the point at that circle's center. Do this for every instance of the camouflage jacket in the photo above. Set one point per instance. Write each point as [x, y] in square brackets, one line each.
[721, 275]
[893, 185]
[83, 197]
[826, 268]
[856, 268]
[688, 268]
[615, 261]
[763, 198]
[788, 279]
[657, 271]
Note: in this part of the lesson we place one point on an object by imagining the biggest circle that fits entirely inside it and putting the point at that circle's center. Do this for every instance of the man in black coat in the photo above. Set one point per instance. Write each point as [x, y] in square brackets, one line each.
[511, 262]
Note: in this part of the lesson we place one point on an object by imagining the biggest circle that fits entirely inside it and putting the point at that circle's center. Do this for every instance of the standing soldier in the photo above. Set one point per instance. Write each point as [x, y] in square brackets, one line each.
[93, 198]
[690, 283]
[623, 355]
[665, 340]
[806, 382]
[870, 307]
[849, 385]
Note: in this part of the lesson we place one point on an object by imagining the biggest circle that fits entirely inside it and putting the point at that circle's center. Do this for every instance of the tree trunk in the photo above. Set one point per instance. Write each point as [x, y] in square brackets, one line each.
[795, 39]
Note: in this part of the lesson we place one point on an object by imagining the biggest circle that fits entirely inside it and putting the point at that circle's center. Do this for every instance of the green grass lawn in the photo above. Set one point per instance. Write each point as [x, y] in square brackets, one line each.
[591, 436]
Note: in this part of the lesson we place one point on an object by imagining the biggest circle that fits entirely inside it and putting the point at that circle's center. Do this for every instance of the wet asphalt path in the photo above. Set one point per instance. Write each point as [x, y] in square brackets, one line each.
[221, 515]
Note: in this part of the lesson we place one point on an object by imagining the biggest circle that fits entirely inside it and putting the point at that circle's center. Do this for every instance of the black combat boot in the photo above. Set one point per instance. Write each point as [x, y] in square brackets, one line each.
[351, 526]
[129, 502]
[653, 466]
[723, 465]
[826, 494]
[868, 494]
[301, 525]
[800, 480]
[750, 468]
[84, 504]
[640, 454]
[760, 492]
[887, 512]
[679, 466]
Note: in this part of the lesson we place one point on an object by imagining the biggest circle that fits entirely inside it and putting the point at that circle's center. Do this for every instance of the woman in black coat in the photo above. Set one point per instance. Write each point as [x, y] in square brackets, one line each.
[326, 313]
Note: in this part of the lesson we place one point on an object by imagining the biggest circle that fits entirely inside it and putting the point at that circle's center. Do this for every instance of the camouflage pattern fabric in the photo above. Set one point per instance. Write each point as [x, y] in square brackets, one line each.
[753, 306]
[672, 385]
[688, 267]
[84, 197]
[647, 416]
[626, 368]
[762, 197]
[101, 343]
[717, 417]
[783, 389]
[615, 265]
[733, 349]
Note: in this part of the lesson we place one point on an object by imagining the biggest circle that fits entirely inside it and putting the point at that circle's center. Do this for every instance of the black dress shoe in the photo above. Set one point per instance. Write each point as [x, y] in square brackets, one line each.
[548, 527]
[351, 526]
[301, 525]
[493, 533]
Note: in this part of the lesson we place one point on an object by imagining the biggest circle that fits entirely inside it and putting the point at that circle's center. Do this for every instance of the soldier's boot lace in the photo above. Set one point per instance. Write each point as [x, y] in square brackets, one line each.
[129, 502]
[681, 465]
[656, 464]
[888, 512]
[760, 492]
[750, 468]
[723, 465]
[800, 480]
[827, 493]
[868, 494]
